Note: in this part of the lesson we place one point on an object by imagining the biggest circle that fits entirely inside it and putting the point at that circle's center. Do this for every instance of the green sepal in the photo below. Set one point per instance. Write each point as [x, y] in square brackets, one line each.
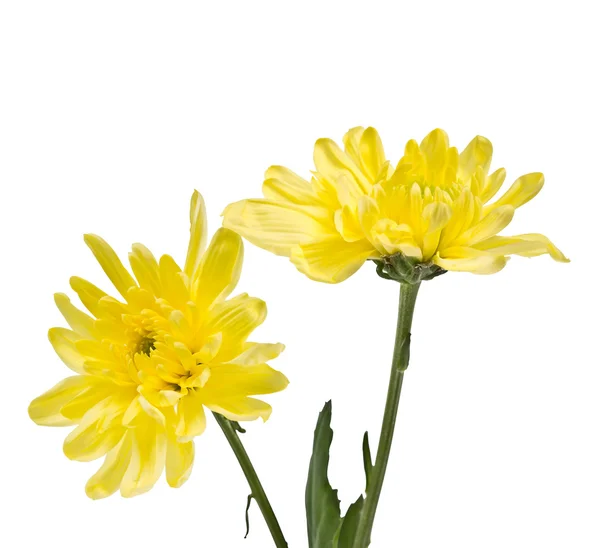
[323, 517]
[408, 270]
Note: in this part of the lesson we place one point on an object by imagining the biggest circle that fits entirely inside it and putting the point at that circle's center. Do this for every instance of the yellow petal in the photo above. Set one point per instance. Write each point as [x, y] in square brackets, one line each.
[436, 215]
[257, 353]
[331, 162]
[140, 299]
[492, 185]
[244, 380]
[351, 142]
[435, 147]
[88, 294]
[100, 429]
[416, 209]
[236, 318]
[110, 263]
[45, 409]
[180, 327]
[198, 231]
[185, 356]
[200, 378]
[369, 215]
[220, 269]
[282, 184]
[385, 235]
[80, 322]
[63, 341]
[160, 398]
[95, 350]
[495, 221]
[521, 191]
[145, 267]
[348, 225]
[477, 181]
[464, 210]
[272, 226]
[172, 281]
[209, 349]
[478, 153]
[241, 409]
[108, 329]
[372, 154]
[180, 460]
[135, 413]
[97, 391]
[111, 309]
[347, 191]
[331, 260]
[191, 417]
[465, 259]
[147, 457]
[526, 245]
[168, 368]
[107, 479]
[394, 238]
[413, 161]
[120, 377]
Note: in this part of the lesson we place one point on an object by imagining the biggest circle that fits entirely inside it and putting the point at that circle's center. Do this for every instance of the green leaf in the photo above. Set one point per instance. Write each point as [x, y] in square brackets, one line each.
[347, 530]
[367, 461]
[322, 503]
[346, 533]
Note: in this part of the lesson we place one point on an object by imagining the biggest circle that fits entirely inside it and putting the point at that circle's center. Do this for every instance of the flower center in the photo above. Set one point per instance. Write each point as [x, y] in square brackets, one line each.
[144, 345]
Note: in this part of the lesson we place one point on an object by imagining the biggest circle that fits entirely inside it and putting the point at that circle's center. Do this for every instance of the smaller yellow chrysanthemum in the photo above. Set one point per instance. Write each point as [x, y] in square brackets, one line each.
[432, 208]
[147, 366]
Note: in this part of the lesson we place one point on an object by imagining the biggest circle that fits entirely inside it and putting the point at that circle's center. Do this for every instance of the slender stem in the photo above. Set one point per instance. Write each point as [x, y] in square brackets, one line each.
[408, 297]
[258, 493]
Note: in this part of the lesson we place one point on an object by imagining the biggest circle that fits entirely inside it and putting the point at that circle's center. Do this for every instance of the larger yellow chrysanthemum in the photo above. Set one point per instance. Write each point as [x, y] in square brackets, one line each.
[147, 365]
[433, 208]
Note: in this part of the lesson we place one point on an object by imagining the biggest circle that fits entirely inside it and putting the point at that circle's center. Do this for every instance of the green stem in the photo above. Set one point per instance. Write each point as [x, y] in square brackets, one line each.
[258, 493]
[408, 297]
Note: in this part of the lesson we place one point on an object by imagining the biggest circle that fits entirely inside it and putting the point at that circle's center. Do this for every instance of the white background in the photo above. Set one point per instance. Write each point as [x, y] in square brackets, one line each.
[113, 112]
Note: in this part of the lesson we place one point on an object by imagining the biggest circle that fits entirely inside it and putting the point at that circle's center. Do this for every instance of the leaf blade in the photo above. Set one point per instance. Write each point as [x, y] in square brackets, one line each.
[347, 531]
[322, 504]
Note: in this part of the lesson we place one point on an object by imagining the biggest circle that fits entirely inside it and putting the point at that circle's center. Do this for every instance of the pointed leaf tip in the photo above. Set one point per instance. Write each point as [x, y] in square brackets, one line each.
[367, 460]
[347, 531]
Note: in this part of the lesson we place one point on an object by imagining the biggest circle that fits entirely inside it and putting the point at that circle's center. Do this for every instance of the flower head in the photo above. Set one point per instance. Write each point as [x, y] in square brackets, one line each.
[432, 208]
[147, 364]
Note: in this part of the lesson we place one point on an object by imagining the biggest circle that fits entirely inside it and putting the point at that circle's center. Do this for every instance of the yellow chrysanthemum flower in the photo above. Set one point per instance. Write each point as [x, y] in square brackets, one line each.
[147, 365]
[433, 208]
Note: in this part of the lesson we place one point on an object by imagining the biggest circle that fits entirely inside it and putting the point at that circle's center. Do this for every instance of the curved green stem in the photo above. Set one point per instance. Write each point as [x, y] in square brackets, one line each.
[408, 297]
[258, 493]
